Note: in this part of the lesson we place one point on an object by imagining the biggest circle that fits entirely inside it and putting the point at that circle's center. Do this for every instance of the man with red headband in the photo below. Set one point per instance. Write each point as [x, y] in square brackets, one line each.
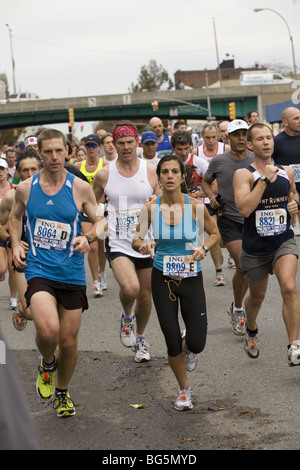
[127, 182]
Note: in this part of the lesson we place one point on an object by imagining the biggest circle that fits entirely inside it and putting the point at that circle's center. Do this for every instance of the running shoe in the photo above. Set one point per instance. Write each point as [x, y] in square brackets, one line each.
[45, 383]
[294, 354]
[98, 292]
[2, 277]
[237, 320]
[141, 349]
[18, 320]
[230, 262]
[102, 280]
[13, 303]
[220, 281]
[184, 400]
[64, 405]
[127, 331]
[191, 359]
[251, 345]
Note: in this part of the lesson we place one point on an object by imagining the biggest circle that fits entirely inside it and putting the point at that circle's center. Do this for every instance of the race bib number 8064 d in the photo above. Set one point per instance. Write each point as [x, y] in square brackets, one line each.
[51, 235]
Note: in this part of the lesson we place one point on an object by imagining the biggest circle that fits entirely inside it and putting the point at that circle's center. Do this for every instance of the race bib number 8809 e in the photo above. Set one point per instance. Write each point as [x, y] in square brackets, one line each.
[51, 235]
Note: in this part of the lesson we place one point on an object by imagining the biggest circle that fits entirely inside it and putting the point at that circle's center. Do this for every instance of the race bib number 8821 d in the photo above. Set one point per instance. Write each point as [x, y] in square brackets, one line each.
[270, 222]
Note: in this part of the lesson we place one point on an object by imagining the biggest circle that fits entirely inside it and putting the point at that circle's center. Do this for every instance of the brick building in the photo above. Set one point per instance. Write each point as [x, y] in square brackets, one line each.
[197, 78]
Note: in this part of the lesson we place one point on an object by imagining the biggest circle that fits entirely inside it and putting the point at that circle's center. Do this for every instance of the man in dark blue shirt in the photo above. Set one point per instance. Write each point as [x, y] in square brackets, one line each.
[287, 146]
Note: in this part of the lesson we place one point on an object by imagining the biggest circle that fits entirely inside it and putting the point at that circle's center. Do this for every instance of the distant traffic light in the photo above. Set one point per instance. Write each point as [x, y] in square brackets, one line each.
[154, 105]
[232, 111]
[71, 116]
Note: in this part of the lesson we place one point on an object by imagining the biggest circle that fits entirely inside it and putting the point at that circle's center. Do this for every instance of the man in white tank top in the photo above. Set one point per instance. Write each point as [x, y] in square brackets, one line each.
[211, 146]
[127, 182]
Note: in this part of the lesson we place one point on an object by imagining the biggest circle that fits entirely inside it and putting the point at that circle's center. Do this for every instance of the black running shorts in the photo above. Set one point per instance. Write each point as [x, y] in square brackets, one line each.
[70, 296]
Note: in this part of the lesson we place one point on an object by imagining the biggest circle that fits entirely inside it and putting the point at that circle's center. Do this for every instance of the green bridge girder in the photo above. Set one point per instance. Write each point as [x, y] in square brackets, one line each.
[166, 110]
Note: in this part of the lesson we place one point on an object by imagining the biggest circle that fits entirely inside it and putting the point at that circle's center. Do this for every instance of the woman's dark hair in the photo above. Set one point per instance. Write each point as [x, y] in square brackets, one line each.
[168, 158]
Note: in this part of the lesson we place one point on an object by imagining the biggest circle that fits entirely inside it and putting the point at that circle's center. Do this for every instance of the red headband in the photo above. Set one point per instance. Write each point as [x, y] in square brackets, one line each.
[124, 131]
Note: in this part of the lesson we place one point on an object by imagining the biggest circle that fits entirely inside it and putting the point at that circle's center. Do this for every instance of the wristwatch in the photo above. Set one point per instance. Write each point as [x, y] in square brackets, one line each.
[205, 248]
[88, 239]
[8, 242]
[265, 179]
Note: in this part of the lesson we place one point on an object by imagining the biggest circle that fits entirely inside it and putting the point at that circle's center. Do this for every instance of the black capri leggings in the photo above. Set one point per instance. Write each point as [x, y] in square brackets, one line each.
[190, 293]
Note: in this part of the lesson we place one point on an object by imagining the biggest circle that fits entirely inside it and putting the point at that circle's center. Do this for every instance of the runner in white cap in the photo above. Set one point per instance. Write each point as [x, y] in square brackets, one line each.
[230, 222]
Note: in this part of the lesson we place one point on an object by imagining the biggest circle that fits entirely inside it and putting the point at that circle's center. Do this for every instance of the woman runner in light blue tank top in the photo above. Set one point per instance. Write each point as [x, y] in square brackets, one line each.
[178, 222]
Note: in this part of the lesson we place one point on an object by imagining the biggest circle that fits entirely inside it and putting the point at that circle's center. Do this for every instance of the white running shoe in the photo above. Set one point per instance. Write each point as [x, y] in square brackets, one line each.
[294, 354]
[127, 331]
[251, 345]
[184, 400]
[18, 320]
[97, 289]
[102, 280]
[191, 359]
[13, 303]
[141, 350]
[220, 281]
[230, 262]
[237, 320]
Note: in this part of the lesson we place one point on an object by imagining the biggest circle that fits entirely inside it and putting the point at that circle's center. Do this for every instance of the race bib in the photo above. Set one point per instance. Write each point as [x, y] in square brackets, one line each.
[179, 267]
[126, 223]
[270, 222]
[51, 235]
[296, 168]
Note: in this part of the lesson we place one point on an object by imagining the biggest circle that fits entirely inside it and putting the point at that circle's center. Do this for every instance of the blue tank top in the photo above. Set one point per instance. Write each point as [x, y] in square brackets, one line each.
[268, 226]
[173, 241]
[51, 224]
[164, 147]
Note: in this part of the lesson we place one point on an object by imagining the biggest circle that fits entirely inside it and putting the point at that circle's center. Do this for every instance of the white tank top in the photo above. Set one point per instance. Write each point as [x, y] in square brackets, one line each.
[125, 198]
[202, 154]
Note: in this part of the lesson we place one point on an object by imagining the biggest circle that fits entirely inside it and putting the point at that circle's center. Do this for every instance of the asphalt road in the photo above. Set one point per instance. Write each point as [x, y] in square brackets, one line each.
[239, 403]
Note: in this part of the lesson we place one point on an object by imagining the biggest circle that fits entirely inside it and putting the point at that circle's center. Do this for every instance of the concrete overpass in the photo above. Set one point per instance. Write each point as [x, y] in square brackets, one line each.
[171, 105]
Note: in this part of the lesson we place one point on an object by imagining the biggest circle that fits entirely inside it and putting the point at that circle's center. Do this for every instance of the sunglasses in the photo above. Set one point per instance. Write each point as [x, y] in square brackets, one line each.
[89, 146]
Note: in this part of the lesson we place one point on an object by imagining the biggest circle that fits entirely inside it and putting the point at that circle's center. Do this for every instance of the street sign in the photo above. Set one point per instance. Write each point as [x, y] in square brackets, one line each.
[191, 110]
[173, 111]
[92, 102]
[126, 99]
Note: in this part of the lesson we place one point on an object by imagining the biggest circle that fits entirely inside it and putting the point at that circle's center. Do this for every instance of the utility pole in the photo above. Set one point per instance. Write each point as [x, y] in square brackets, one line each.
[12, 57]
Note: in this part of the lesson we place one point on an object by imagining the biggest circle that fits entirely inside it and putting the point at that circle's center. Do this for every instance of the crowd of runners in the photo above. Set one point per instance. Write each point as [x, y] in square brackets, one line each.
[150, 206]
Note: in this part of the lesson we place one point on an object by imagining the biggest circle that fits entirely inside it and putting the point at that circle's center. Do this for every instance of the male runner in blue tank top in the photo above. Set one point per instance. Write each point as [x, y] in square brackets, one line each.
[164, 145]
[53, 201]
[266, 196]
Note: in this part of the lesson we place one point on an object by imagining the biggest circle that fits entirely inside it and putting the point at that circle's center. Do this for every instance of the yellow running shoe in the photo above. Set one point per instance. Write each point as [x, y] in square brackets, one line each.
[64, 405]
[45, 383]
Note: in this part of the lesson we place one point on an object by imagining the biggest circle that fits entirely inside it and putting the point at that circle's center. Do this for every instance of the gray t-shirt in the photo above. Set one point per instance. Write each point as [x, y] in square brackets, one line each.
[222, 168]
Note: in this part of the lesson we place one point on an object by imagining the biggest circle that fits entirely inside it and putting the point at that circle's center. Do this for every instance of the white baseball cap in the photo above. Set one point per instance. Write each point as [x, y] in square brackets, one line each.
[237, 124]
[3, 163]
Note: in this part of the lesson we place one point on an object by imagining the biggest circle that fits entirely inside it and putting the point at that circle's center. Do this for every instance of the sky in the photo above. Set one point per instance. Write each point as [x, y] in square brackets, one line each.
[68, 48]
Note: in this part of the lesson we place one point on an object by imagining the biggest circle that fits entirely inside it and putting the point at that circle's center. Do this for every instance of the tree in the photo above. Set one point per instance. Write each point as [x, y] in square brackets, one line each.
[151, 78]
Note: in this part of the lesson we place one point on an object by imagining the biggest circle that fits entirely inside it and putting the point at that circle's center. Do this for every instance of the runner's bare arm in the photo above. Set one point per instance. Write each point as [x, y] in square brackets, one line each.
[15, 222]
[86, 202]
[138, 244]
